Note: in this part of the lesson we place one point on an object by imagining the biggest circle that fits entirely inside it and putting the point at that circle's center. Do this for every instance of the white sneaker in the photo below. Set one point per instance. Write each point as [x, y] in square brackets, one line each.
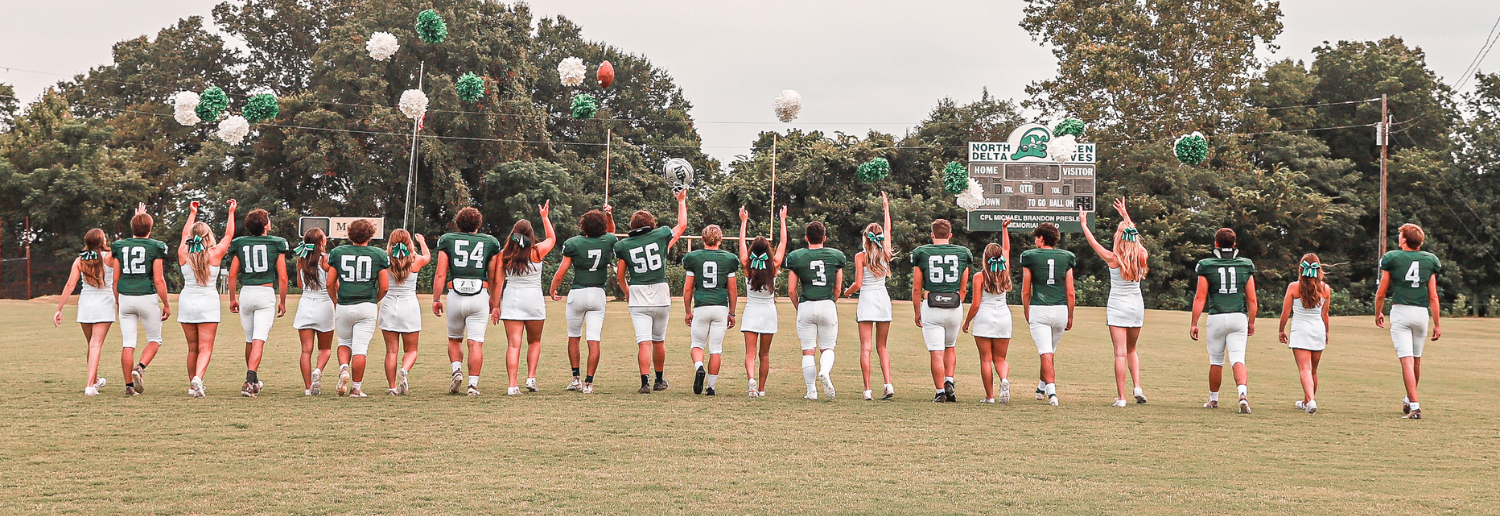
[1004, 390]
[317, 383]
[90, 391]
[391, 392]
[1244, 405]
[1300, 405]
[588, 388]
[457, 383]
[987, 400]
[1140, 396]
[356, 393]
[307, 392]
[890, 392]
[513, 391]
[760, 394]
[869, 395]
[751, 389]
[100, 384]
[531, 384]
[473, 390]
[827, 384]
[196, 388]
[575, 385]
[1052, 400]
[1312, 406]
[402, 385]
[1120, 403]
[344, 382]
[812, 394]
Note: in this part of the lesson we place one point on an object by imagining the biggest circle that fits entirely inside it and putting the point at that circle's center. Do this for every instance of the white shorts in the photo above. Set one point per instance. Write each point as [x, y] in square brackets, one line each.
[940, 326]
[356, 326]
[1408, 329]
[585, 313]
[523, 303]
[468, 316]
[818, 324]
[96, 306]
[1125, 311]
[257, 311]
[143, 312]
[314, 312]
[759, 317]
[1227, 334]
[709, 325]
[1047, 324]
[874, 305]
[400, 313]
[650, 322]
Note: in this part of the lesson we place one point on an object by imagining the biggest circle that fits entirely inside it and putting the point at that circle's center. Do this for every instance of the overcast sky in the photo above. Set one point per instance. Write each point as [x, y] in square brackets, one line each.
[859, 64]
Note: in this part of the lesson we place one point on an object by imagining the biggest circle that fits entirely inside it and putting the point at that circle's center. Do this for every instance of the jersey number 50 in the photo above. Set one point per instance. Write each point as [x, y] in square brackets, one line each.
[356, 268]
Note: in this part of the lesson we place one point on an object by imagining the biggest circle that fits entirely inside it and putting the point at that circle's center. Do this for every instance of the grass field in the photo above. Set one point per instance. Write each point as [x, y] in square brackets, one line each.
[672, 452]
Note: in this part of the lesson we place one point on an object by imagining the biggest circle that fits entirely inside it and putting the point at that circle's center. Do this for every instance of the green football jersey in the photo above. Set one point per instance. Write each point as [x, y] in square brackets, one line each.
[643, 256]
[711, 271]
[469, 254]
[1227, 278]
[136, 257]
[358, 268]
[1410, 272]
[591, 259]
[1049, 275]
[256, 258]
[942, 266]
[817, 271]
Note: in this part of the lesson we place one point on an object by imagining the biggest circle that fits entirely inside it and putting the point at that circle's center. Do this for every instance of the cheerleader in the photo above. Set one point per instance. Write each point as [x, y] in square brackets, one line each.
[759, 322]
[1306, 305]
[521, 304]
[1126, 309]
[872, 267]
[96, 301]
[360, 282]
[992, 329]
[198, 304]
[400, 314]
[314, 319]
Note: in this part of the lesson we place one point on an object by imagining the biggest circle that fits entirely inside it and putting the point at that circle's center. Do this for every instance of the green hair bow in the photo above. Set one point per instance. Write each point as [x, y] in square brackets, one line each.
[399, 250]
[876, 238]
[88, 254]
[758, 260]
[195, 244]
[1131, 234]
[997, 264]
[1310, 270]
[303, 250]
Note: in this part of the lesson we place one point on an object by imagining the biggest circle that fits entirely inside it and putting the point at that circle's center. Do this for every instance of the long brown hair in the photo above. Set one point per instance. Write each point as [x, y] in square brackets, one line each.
[310, 264]
[1310, 288]
[93, 269]
[199, 260]
[761, 279]
[517, 253]
[995, 282]
[400, 267]
[1131, 254]
[877, 256]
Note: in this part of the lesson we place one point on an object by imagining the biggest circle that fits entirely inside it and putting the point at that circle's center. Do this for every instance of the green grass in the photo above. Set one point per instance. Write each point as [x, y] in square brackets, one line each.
[672, 452]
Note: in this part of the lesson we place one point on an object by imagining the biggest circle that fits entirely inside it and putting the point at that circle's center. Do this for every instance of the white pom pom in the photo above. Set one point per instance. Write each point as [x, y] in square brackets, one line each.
[788, 105]
[185, 100]
[186, 116]
[571, 71]
[233, 130]
[972, 198]
[1062, 148]
[413, 104]
[382, 45]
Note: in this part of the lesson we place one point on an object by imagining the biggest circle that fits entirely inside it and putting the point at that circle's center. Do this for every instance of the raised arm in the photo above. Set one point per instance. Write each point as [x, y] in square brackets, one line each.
[223, 245]
[1108, 256]
[890, 231]
[744, 246]
[187, 232]
[545, 246]
[424, 256]
[682, 217]
[780, 257]
[609, 219]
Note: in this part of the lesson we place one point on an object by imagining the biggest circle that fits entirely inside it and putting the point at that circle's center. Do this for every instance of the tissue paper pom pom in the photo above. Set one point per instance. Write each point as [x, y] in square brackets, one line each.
[788, 105]
[584, 106]
[469, 87]
[955, 177]
[211, 104]
[430, 27]
[233, 130]
[413, 104]
[183, 105]
[1068, 126]
[1061, 148]
[382, 45]
[260, 108]
[186, 117]
[606, 74]
[873, 170]
[972, 198]
[1191, 149]
[571, 71]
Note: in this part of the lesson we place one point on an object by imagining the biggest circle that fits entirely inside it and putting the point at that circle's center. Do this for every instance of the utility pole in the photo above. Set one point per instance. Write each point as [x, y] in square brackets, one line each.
[1383, 132]
[411, 161]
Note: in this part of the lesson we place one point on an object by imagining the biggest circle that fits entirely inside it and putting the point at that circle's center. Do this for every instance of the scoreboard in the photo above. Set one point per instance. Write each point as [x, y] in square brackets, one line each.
[1022, 182]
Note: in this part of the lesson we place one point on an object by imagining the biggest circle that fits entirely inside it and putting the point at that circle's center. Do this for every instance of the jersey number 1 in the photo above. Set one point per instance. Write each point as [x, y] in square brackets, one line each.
[1227, 282]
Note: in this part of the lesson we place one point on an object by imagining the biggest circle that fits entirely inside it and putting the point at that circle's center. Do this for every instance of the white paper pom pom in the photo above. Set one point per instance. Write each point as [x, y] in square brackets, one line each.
[186, 116]
[571, 71]
[788, 105]
[1062, 148]
[183, 105]
[382, 45]
[413, 104]
[233, 130]
[972, 198]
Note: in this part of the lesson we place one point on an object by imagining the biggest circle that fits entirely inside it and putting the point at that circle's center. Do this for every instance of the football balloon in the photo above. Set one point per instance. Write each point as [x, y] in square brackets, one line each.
[606, 74]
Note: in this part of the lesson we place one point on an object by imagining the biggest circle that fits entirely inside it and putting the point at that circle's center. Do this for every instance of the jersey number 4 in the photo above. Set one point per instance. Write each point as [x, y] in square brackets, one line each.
[1414, 275]
[462, 258]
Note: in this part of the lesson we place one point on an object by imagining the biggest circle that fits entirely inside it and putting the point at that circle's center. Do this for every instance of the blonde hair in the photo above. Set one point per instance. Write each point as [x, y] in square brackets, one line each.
[712, 235]
[877, 257]
[995, 282]
[1132, 255]
[199, 260]
[401, 267]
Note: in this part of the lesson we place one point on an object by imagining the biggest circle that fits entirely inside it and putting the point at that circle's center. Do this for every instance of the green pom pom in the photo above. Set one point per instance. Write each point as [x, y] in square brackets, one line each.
[211, 104]
[873, 170]
[260, 108]
[1068, 126]
[430, 27]
[470, 87]
[955, 178]
[584, 106]
[1191, 149]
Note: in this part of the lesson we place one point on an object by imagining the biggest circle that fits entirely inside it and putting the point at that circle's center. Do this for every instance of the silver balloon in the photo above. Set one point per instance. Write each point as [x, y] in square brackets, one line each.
[678, 172]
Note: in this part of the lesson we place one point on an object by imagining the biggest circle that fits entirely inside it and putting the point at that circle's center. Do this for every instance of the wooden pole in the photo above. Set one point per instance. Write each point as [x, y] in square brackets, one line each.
[1385, 138]
[609, 138]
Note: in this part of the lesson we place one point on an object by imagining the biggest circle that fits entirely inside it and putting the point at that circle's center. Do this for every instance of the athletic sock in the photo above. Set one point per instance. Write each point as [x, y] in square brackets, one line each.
[130, 384]
[1051, 389]
[141, 365]
[825, 365]
[575, 372]
[457, 365]
[697, 365]
[658, 375]
[942, 391]
[645, 380]
[713, 380]
[1406, 400]
[1416, 406]
[1213, 396]
[1041, 385]
[473, 380]
[588, 379]
[356, 386]
[809, 371]
[948, 379]
[251, 377]
[1242, 389]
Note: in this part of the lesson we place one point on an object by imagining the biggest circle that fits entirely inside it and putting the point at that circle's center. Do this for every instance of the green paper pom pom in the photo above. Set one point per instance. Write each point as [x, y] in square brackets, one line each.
[430, 27]
[955, 178]
[873, 170]
[1068, 126]
[1191, 149]
[584, 106]
[211, 104]
[470, 87]
[260, 108]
